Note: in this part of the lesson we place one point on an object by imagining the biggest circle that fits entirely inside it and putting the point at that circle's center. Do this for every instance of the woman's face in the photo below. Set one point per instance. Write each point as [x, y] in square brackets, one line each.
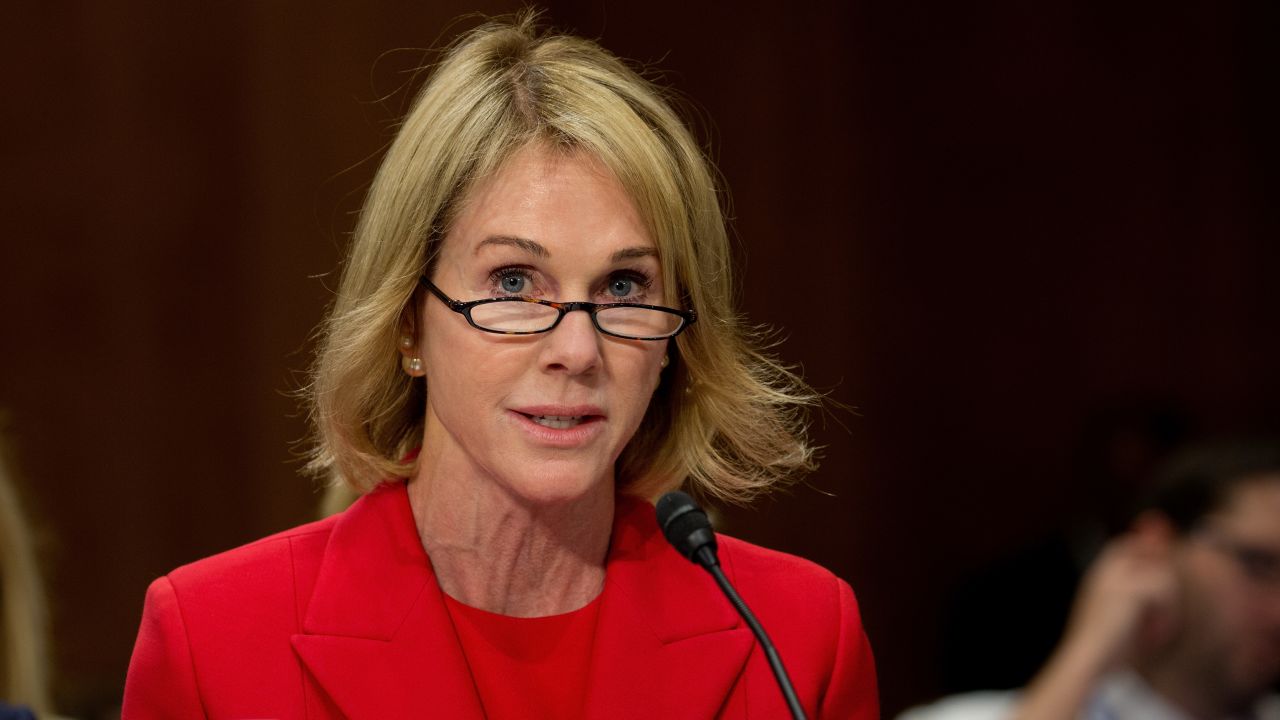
[542, 416]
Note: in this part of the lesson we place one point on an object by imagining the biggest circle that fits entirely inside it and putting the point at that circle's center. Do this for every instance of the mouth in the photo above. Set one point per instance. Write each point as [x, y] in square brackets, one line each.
[560, 422]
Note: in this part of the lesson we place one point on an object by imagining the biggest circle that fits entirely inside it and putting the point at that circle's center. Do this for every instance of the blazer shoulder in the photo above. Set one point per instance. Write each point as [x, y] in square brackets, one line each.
[752, 564]
[275, 556]
[789, 592]
[219, 629]
[813, 618]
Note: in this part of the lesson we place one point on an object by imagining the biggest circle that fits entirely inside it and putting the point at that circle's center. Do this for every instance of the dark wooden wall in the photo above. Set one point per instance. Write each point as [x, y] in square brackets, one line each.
[1007, 234]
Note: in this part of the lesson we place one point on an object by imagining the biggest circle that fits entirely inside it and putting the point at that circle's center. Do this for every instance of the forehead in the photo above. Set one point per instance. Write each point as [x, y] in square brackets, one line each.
[1253, 508]
[561, 200]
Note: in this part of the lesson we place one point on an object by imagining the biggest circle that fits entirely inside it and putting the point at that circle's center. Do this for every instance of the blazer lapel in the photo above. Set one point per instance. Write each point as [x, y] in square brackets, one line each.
[376, 635]
[668, 644]
[378, 640]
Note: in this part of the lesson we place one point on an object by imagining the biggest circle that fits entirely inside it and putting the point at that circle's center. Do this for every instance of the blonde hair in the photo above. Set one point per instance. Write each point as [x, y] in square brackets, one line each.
[727, 418]
[24, 672]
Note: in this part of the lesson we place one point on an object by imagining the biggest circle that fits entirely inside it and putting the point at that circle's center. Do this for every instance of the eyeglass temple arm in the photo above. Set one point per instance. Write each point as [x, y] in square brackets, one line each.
[456, 305]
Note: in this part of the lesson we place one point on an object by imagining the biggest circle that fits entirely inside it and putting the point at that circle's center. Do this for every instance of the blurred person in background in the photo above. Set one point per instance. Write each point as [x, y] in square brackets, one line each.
[1178, 618]
[1003, 619]
[24, 665]
[503, 560]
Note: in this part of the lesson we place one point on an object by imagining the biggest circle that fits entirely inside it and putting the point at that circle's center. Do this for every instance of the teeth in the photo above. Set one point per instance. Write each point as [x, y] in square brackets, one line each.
[556, 421]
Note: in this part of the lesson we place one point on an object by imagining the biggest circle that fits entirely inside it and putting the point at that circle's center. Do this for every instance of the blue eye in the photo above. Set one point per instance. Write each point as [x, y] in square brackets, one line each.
[512, 283]
[621, 287]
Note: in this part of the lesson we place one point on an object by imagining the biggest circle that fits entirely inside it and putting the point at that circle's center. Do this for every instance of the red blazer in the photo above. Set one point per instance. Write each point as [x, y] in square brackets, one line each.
[343, 617]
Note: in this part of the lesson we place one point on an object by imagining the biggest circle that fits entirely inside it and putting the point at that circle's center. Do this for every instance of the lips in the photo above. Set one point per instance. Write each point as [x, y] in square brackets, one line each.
[553, 414]
[561, 425]
[558, 422]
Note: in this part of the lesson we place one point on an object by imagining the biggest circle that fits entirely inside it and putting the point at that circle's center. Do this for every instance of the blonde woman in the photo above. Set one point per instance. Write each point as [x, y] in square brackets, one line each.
[533, 337]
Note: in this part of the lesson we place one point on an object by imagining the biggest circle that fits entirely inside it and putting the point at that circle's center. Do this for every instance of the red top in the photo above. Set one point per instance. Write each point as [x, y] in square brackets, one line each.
[527, 668]
[344, 618]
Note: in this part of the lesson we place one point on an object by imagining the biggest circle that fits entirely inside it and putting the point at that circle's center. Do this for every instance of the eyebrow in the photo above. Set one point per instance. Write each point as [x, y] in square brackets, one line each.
[638, 251]
[525, 244]
[538, 250]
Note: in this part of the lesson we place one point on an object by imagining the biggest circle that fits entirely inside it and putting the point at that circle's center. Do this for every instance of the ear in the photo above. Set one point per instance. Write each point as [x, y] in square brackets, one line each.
[408, 328]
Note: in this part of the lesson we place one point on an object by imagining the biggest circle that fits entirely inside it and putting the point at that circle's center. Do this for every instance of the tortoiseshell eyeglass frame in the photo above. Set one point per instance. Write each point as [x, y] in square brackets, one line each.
[687, 317]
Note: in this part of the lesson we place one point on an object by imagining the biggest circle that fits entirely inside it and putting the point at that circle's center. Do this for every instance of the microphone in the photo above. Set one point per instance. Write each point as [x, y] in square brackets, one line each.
[687, 528]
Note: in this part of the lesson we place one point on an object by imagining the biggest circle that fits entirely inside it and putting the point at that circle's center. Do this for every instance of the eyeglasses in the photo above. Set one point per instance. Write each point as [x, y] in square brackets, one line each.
[529, 316]
[1261, 565]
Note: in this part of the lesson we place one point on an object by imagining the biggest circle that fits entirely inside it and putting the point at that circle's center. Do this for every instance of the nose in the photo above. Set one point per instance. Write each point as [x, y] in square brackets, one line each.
[573, 346]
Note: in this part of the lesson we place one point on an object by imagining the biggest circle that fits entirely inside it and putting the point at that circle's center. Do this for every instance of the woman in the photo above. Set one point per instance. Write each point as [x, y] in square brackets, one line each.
[533, 329]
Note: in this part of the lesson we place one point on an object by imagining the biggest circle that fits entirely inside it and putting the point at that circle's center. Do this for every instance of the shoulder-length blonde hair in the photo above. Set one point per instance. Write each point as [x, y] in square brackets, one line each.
[727, 417]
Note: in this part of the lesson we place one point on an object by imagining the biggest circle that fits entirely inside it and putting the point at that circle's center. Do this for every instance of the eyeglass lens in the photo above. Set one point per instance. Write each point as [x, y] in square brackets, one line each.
[532, 317]
[1261, 565]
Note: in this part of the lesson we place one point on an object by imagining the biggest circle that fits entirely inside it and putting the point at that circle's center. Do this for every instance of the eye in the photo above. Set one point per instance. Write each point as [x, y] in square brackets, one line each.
[627, 286]
[511, 281]
[621, 287]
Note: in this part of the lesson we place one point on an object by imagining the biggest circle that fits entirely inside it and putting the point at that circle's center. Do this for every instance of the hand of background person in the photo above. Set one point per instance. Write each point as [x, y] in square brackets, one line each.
[1127, 601]
[1126, 605]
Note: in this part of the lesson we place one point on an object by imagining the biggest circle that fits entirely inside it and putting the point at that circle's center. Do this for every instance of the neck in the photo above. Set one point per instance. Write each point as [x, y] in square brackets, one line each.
[509, 555]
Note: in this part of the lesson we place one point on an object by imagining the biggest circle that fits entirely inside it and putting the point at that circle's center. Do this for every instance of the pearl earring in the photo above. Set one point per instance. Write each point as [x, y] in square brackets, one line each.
[666, 360]
[406, 341]
[412, 365]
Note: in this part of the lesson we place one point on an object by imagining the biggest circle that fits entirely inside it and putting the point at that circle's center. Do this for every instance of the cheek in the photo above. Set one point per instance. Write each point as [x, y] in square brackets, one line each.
[1219, 598]
[641, 381]
[458, 363]
[643, 370]
[468, 367]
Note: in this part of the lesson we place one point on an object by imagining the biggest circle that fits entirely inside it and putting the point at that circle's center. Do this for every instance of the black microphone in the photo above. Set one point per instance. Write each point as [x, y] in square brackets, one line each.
[687, 528]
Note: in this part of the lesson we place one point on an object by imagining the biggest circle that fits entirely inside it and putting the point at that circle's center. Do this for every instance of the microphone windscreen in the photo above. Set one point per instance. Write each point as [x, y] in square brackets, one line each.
[684, 524]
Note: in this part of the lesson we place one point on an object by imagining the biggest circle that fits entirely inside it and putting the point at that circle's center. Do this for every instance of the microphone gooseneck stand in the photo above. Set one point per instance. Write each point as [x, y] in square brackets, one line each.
[686, 527]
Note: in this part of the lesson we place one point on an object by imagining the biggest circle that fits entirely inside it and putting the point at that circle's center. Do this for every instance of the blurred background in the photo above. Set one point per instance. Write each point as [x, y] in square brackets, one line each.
[1032, 245]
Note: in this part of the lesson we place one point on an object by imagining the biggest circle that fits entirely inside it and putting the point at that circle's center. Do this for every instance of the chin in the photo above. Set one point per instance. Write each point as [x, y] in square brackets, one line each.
[553, 483]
